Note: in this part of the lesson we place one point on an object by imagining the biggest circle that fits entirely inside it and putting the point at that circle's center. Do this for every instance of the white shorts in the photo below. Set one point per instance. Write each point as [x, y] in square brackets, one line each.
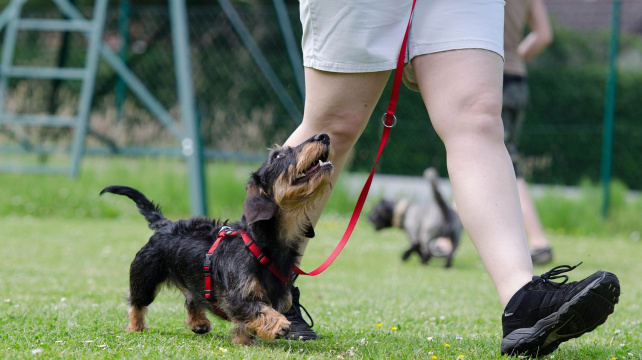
[352, 36]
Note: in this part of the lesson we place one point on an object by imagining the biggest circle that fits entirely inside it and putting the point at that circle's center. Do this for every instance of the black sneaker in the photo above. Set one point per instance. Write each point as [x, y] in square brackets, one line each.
[299, 328]
[541, 256]
[543, 314]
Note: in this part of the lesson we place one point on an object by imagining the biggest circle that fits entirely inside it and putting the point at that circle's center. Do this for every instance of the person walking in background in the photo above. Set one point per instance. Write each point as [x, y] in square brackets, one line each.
[454, 58]
[517, 50]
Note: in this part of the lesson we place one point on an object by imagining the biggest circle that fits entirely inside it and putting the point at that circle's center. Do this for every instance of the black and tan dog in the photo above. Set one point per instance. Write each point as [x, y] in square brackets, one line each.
[249, 291]
[424, 223]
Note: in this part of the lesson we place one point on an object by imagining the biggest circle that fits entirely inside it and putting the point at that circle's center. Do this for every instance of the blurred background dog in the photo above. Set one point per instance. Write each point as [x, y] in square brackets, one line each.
[430, 226]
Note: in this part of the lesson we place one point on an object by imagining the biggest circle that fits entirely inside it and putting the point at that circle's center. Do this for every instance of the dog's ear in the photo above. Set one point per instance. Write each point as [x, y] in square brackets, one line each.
[258, 205]
[309, 230]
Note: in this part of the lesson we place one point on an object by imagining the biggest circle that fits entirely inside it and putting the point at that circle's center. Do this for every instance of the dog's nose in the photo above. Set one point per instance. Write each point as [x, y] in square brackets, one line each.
[324, 138]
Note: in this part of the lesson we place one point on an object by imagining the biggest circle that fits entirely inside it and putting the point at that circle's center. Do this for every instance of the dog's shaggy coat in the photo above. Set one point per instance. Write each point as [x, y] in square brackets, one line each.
[280, 194]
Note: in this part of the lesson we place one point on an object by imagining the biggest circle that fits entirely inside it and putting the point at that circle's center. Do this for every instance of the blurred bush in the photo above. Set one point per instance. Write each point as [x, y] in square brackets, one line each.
[240, 113]
[561, 140]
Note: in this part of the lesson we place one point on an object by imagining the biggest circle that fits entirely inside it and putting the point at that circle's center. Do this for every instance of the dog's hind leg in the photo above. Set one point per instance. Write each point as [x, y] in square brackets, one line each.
[454, 238]
[146, 275]
[449, 260]
[136, 319]
[425, 256]
[412, 249]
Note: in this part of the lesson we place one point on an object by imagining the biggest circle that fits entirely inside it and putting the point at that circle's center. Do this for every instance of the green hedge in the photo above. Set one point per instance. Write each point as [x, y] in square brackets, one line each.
[562, 136]
[566, 125]
[561, 139]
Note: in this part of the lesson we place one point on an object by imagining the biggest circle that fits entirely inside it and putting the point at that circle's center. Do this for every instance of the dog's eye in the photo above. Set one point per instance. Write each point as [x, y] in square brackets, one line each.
[278, 156]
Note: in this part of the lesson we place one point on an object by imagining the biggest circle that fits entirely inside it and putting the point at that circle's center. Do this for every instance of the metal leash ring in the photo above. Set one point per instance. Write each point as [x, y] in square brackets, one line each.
[225, 230]
[394, 120]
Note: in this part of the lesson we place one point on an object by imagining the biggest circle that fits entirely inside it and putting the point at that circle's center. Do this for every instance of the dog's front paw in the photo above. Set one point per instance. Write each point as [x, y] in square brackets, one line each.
[270, 324]
[243, 340]
[199, 325]
[136, 328]
[243, 335]
[201, 328]
[278, 328]
[283, 331]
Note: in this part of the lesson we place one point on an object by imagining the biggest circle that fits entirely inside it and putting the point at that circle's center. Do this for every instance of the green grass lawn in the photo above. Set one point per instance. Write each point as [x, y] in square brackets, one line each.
[66, 254]
[63, 282]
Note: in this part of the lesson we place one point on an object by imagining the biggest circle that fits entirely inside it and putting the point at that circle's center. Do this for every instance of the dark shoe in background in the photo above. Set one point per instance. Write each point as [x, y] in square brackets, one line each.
[541, 256]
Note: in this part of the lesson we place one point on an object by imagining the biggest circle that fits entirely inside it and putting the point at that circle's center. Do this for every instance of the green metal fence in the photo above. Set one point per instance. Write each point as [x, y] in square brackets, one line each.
[249, 95]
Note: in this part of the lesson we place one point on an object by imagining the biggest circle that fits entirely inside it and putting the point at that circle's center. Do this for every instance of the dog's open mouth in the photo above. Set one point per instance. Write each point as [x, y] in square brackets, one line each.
[318, 165]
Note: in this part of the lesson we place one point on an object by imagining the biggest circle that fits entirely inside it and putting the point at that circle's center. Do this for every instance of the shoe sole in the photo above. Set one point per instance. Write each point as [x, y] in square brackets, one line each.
[301, 334]
[299, 330]
[583, 313]
[300, 337]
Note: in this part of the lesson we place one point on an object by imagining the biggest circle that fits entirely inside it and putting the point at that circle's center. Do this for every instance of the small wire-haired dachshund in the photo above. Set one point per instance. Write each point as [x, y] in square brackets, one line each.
[245, 277]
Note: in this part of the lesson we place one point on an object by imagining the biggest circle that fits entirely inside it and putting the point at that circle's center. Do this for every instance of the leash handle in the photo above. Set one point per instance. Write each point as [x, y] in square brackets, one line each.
[389, 121]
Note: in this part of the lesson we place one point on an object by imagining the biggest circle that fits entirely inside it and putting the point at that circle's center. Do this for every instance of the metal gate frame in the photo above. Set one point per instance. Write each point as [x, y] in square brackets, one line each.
[188, 137]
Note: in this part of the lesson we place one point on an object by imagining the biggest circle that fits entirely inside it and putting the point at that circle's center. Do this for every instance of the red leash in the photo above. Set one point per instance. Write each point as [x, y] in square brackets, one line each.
[389, 120]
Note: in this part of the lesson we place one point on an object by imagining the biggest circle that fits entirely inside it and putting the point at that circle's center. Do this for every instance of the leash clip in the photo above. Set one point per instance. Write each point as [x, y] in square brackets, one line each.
[394, 120]
[226, 230]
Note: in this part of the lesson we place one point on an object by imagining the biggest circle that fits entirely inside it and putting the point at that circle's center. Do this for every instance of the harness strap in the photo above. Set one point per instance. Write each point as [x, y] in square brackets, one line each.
[249, 243]
[207, 272]
[206, 268]
[254, 249]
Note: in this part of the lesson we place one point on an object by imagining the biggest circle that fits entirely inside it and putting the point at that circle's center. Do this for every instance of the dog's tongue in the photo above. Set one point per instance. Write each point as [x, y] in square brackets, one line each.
[313, 169]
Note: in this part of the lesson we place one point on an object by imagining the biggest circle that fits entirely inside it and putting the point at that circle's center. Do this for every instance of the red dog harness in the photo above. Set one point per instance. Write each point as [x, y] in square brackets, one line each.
[254, 249]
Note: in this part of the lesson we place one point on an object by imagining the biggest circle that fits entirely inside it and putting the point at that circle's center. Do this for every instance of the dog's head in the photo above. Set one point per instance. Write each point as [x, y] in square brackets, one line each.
[382, 213]
[289, 184]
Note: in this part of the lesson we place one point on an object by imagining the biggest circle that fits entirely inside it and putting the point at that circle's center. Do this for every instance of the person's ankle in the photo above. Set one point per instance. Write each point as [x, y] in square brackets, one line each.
[507, 291]
[540, 242]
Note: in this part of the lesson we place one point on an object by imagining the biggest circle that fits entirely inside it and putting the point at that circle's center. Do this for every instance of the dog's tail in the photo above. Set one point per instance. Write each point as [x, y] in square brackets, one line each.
[432, 176]
[146, 207]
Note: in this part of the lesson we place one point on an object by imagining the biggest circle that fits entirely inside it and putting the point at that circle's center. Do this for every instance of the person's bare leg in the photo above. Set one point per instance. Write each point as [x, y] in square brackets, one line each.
[534, 230]
[339, 105]
[462, 90]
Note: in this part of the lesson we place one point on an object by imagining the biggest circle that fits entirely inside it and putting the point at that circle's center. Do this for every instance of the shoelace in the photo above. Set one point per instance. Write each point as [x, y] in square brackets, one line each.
[297, 309]
[555, 273]
[296, 305]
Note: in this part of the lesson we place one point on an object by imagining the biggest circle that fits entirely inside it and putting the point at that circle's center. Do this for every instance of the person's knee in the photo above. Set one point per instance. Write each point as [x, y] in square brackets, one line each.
[484, 113]
[343, 136]
[475, 118]
[344, 129]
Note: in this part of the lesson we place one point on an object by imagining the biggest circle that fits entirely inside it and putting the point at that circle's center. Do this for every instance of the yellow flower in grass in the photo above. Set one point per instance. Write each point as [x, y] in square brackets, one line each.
[434, 357]
[394, 328]
[379, 324]
[446, 345]
[460, 356]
